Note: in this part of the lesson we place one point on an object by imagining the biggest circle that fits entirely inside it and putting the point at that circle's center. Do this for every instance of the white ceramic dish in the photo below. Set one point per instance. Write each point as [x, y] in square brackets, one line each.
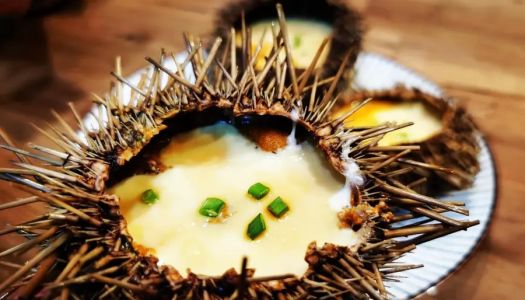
[443, 256]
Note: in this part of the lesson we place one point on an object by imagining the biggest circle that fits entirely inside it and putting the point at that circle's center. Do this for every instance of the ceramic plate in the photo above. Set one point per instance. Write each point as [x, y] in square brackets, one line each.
[442, 256]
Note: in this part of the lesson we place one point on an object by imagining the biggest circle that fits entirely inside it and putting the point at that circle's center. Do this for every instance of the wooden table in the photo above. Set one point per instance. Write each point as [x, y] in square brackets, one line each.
[474, 49]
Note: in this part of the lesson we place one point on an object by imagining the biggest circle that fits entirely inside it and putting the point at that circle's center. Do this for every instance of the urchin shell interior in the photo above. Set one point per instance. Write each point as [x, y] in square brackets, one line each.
[84, 250]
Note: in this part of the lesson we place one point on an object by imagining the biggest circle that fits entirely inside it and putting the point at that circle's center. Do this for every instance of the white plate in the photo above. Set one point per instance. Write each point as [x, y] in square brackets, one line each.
[443, 256]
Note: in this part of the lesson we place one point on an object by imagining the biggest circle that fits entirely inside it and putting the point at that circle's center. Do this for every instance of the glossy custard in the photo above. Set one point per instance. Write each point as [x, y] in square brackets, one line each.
[376, 112]
[305, 37]
[217, 161]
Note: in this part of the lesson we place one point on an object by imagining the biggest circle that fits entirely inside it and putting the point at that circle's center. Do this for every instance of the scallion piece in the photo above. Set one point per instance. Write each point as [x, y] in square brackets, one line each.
[278, 207]
[149, 196]
[258, 190]
[296, 41]
[211, 207]
[256, 227]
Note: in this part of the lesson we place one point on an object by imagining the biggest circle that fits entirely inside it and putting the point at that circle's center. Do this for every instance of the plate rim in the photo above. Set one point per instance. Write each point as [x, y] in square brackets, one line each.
[468, 256]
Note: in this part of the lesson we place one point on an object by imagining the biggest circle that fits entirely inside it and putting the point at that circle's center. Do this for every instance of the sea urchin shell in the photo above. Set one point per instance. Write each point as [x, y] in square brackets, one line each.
[454, 147]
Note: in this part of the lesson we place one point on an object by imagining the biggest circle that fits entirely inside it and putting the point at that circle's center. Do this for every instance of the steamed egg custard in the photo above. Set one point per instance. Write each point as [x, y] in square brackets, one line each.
[377, 112]
[217, 161]
[305, 38]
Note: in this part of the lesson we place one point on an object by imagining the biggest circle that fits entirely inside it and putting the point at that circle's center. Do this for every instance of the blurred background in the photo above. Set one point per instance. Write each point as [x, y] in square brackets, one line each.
[58, 51]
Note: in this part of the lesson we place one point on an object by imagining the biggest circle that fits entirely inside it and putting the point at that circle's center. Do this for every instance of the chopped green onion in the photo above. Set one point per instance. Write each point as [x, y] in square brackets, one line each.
[149, 196]
[211, 207]
[256, 227]
[404, 137]
[296, 41]
[278, 207]
[258, 190]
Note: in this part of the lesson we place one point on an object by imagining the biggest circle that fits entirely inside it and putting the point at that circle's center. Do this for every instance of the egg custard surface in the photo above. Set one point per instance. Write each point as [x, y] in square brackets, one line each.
[377, 112]
[217, 161]
[305, 36]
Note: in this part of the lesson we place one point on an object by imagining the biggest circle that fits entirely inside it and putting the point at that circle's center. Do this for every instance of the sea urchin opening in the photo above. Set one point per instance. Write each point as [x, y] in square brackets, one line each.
[426, 122]
[218, 161]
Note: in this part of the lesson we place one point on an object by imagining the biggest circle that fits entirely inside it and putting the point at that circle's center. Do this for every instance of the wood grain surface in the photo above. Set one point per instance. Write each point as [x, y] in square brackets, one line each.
[474, 49]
